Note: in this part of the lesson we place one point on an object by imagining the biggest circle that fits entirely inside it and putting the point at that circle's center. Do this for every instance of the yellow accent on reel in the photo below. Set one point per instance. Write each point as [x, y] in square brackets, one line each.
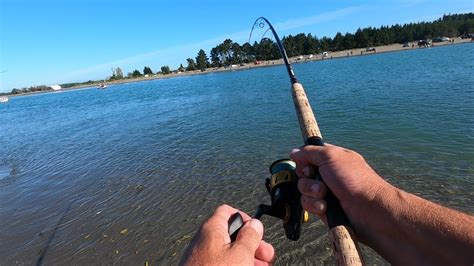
[306, 217]
[280, 177]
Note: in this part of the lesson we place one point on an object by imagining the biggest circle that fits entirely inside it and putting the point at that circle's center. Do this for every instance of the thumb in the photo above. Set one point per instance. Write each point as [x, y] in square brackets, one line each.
[250, 236]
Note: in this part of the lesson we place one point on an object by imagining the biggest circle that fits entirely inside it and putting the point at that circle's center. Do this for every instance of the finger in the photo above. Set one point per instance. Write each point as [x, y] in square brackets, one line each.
[265, 252]
[297, 155]
[301, 163]
[312, 188]
[249, 237]
[309, 171]
[300, 155]
[225, 211]
[316, 206]
[217, 226]
[315, 155]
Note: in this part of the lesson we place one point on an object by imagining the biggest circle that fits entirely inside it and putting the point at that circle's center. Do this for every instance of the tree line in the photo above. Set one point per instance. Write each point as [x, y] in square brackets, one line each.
[229, 52]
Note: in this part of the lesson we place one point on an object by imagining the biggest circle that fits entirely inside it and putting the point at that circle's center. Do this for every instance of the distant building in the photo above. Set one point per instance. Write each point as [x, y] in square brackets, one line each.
[55, 87]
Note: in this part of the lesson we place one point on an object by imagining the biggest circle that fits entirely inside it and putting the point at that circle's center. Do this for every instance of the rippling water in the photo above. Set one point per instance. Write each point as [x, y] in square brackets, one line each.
[155, 158]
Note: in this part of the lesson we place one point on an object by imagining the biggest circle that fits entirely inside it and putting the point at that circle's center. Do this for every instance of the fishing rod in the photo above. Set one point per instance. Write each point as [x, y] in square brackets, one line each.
[282, 185]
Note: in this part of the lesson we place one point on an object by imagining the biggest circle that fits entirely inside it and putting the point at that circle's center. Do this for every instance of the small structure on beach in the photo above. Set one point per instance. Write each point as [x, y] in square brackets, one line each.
[55, 87]
[424, 43]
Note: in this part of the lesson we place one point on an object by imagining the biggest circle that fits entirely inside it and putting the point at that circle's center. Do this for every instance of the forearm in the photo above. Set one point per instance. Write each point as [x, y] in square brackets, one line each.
[405, 228]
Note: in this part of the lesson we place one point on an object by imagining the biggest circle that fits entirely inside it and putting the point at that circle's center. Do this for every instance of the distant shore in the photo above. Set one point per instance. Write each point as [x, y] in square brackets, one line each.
[297, 59]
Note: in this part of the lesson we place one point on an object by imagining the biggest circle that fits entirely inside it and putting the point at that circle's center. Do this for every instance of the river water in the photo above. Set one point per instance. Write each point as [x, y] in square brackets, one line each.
[125, 175]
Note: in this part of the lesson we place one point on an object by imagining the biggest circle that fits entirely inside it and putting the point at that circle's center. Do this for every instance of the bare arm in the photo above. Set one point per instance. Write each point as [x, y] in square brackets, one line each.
[403, 228]
[419, 231]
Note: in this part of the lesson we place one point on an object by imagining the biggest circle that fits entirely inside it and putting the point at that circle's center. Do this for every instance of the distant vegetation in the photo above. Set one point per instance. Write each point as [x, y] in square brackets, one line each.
[228, 52]
[165, 70]
[31, 89]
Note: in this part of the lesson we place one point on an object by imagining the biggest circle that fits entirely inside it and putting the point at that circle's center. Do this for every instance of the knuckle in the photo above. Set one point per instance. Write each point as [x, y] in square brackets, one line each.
[223, 207]
[331, 153]
[358, 156]
[304, 185]
[205, 226]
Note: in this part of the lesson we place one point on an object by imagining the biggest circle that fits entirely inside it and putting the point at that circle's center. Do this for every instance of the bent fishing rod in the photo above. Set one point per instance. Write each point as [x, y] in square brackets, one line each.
[282, 185]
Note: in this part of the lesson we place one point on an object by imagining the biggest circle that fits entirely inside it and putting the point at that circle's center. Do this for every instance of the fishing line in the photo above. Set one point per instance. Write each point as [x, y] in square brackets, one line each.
[282, 185]
[261, 23]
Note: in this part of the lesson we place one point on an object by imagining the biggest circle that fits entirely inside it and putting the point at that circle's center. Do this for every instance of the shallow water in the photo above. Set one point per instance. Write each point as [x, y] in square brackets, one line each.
[157, 157]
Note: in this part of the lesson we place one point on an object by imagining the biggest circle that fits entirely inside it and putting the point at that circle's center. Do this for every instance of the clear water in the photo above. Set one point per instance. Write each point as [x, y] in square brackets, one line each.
[157, 157]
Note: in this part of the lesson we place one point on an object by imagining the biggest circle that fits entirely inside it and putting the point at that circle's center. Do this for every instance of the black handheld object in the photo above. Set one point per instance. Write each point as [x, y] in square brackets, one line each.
[335, 215]
[285, 197]
[235, 223]
[285, 201]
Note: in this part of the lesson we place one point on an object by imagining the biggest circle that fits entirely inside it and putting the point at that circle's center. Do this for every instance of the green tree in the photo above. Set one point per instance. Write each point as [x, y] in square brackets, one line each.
[202, 61]
[119, 73]
[348, 42]
[300, 40]
[266, 50]
[325, 43]
[147, 71]
[226, 50]
[290, 47]
[337, 42]
[237, 54]
[191, 65]
[136, 74]
[116, 74]
[361, 38]
[181, 68]
[17, 91]
[165, 70]
[215, 58]
[113, 77]
[311, 45]
[248, 53]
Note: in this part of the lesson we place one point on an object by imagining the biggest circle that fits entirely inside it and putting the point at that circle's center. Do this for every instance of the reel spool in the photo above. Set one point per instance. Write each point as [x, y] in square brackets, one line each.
[285, 198]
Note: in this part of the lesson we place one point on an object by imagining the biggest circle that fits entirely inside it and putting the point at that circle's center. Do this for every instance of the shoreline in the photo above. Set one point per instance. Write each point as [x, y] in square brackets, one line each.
[294, 60]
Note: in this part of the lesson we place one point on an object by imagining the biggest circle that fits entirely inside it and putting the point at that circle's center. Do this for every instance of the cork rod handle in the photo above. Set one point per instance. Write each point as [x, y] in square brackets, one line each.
[344, 246]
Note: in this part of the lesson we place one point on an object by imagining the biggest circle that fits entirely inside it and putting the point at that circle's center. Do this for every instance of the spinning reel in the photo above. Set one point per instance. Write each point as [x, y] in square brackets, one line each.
[285, 201]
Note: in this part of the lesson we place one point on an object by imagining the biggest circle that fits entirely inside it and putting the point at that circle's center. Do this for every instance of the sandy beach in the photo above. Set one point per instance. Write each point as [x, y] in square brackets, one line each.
[297, 59]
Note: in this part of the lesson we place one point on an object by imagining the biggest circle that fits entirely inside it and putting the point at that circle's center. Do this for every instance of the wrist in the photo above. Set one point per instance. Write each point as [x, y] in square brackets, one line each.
[379, 199]
[380, 226]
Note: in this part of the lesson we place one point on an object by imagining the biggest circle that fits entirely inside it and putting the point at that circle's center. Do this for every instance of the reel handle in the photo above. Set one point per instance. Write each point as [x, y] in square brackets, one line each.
[236, 222]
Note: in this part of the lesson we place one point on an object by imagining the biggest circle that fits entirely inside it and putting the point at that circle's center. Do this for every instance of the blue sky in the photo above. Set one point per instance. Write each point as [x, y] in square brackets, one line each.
[57, 41]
